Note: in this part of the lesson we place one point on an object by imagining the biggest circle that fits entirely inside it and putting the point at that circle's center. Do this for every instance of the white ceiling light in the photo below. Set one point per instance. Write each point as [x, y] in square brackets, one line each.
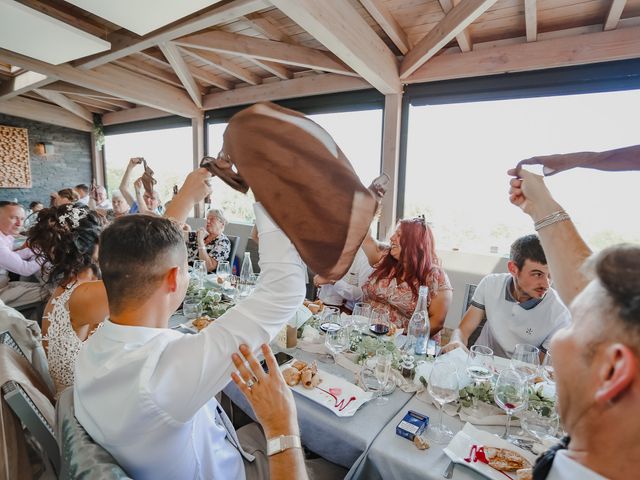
[29, 32]
[142, 16]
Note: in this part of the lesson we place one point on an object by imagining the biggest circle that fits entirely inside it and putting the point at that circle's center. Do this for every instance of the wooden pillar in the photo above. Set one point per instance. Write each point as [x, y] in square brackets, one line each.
[390, 159]
[97, 162]
[197, 135]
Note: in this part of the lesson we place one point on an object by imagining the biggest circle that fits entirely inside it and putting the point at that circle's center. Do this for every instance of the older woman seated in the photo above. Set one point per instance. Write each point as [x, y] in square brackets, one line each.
[210, 245]
[399, 271]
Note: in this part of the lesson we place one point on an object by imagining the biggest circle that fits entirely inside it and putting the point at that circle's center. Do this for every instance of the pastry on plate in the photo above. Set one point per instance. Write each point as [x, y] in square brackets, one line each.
[505, 460]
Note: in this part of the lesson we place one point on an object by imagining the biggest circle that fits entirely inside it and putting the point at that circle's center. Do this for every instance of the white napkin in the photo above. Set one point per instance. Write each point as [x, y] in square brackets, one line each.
[457, 357]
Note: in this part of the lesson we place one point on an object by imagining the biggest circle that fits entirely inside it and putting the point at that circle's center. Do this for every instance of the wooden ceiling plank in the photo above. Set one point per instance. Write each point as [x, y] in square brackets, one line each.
[274, 68]
[149, 70]
[174, 57]
[123, 45]
[69, 88]
[93, 102]
[132, 115]
[298, 87]
[236, 44]
[463, 38]
[66, 103]
[454, 22]
[381, 14]
[22, 83]
[227, 66]
[531, 19]
[341, 28]
[614, 14]
[619, 44]
[43, 112]
[115, 81]
[266, 28]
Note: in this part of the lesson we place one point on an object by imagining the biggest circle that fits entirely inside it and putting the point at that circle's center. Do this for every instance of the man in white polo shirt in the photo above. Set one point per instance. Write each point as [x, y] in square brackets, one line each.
[519, 306]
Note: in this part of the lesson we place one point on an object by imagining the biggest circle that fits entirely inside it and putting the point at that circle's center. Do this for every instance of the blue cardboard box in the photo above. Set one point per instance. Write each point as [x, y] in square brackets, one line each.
[412, 424]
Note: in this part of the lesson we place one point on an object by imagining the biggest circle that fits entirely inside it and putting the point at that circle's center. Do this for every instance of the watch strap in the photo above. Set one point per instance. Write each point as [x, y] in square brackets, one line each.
[282, 443]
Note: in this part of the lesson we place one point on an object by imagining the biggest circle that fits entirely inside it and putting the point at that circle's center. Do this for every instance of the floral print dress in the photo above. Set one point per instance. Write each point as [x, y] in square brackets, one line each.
[219, 249]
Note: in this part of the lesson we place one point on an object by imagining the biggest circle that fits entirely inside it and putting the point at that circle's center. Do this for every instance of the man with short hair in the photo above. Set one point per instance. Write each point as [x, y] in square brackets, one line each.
[597, 358]
[147, 393]
[20, 262]
[82, 190]
[519, 306]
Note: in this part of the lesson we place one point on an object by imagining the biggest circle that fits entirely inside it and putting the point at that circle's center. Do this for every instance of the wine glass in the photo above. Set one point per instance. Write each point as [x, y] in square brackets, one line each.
[443, 387]
[361, 313]
[526, 361]
[479, 368]
[336, 341]
[330, 319]
[511, 394]
[379, 321]
[548, 372]
[382, 369]
[200, 271]
[539, 426]
[191, 308]
[223, 271]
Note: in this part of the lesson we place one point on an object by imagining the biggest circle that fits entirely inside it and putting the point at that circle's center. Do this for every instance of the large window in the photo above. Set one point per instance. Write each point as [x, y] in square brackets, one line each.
[357, 133]
[168, 152]
[458, 155]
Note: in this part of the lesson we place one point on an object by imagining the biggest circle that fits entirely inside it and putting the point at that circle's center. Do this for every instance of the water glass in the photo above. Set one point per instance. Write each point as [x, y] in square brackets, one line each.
[361, 314]
[444, 388]
[336, 342]
[479, 367]
[526, 361]
[200, 271]
[223, 271]
[539, 426]
[382, 370]
[379, 321]
[548, 372]
[511, 394]
[191, 308]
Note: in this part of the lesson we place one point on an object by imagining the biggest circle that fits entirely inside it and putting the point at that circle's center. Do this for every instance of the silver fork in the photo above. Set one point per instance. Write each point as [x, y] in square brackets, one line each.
[448, 472]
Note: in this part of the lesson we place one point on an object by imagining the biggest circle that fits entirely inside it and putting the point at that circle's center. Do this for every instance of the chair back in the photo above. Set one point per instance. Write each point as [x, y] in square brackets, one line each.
[469, 290]
[81, 457]
[234, 247]
[32, 418]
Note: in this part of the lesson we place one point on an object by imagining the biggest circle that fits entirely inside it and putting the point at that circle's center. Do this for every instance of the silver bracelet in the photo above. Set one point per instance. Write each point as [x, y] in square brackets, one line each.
[554, 217]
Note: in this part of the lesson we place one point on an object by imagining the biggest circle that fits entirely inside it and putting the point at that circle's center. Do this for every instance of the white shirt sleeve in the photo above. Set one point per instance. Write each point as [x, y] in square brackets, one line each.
[563, 319]
[14, 261]
[194, 368]
[478, 300]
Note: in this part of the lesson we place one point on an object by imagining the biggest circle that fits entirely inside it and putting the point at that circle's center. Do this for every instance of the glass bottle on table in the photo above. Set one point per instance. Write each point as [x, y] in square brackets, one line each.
[419, 328]
[246, 272]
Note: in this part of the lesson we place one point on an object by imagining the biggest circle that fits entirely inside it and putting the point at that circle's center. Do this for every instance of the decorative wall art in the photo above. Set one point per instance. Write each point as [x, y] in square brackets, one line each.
[15, 170]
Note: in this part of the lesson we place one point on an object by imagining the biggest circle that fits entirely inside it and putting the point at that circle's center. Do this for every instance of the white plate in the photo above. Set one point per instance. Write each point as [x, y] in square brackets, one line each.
[460, 447]
[343, 398]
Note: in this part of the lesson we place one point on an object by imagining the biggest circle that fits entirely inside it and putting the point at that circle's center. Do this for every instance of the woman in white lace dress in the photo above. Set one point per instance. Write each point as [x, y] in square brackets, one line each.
[65, 239]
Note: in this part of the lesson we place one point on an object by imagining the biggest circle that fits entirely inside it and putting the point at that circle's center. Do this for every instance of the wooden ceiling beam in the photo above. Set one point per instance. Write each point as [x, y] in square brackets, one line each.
[215, 60]
[106, 102]
[341, 28]
[174, 57]
[43, 112]
[198, 73]
[132, 115]
[22, 83]
[67, 88]
[266, 28]
[93, 102]
[115, 81]
[145, 68]
[463, 38]
[381, 14]
[274, 68]
[235, 44]
[298, 87]
[66, 103]
[124, 44]
[614, 14]
[454, 22]
[620, 44]
[531, 19]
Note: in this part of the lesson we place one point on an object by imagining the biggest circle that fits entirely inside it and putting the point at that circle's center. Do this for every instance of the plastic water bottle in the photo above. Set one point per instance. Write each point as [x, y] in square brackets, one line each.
[419, 327]
[246, 273]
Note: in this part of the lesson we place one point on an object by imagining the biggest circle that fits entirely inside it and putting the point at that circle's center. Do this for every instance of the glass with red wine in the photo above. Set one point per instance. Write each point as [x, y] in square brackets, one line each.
[379, 321]
[511, 394]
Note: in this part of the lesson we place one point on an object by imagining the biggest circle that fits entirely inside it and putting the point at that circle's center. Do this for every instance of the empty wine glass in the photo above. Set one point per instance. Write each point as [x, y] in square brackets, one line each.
[539, 426]
[361, 313]
[511, 394]
[223, 271]
[379, 321]
[548, 372]
[200, 272]
[443, 387]
[336, 342]
[382, 369]
[526, 361]
[479, 367]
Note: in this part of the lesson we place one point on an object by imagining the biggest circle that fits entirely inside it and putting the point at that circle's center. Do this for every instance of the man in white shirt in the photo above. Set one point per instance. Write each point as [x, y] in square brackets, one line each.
[146, 393]
[82, 190]
[347, 290]
[21, 262]
[519, 306]
[597, 358]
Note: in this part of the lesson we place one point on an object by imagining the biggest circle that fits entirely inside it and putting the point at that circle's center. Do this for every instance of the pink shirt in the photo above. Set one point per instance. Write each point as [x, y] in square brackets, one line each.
[21, 262]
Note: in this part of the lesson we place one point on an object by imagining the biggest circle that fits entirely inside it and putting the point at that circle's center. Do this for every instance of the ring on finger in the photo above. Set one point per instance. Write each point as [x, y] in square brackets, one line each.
[251, 382]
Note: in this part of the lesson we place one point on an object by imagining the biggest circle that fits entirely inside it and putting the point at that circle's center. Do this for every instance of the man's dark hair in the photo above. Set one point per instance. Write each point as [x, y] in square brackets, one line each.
[618, 270]
[527, 248]
[33, 204]
[8, 203]
[131, 252]
[82, 186]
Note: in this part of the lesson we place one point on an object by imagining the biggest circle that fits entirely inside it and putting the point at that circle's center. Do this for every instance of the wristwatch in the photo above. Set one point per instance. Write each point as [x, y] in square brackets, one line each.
[282, 443]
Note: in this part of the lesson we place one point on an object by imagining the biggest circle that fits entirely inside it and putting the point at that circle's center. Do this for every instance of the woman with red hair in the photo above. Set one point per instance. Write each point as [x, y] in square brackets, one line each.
[399, 271]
